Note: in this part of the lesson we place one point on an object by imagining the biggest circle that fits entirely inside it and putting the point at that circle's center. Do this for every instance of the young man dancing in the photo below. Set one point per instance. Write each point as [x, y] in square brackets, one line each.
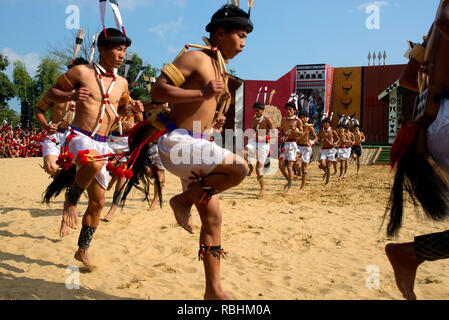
[195, 84]
[101, 97]
[259, 147]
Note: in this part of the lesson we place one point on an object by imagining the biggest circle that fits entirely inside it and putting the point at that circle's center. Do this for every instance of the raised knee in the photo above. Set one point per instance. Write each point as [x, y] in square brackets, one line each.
[51, 169]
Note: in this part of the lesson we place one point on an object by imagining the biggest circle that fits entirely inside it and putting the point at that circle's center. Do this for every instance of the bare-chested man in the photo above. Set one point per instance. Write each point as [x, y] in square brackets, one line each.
[432, 193]
[356, 151]
[118, 144]
[61, 118]
[95, 87]
[259, 147]
[305, 147]
[328, 138]
[344, 149]
[291, 128]
[193, 86]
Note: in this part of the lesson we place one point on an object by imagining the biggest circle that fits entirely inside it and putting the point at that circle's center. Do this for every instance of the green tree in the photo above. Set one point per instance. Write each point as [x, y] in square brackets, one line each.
[25, 85]
[139, 91]
[7, 90]
[47, 74]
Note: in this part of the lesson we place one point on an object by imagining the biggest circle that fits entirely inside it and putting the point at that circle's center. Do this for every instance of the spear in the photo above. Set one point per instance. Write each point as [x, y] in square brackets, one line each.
[92, 48]
[79, 41]
[129, 58]
[142, 69]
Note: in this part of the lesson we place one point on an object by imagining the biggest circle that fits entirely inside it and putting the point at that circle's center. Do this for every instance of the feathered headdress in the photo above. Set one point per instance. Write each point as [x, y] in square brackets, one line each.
[117, 15]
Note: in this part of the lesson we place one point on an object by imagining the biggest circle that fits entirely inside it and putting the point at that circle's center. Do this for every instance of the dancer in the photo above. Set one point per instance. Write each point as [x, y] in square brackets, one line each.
[259, 147]
[356, 150]
[291, 128]
[344, 150]
[305, 147]
[61, 117]
[421, 158]
[328, 138]
[90, 128]
[195, 84]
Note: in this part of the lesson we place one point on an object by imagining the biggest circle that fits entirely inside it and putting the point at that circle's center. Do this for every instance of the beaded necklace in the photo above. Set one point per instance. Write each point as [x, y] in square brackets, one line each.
[99, 70]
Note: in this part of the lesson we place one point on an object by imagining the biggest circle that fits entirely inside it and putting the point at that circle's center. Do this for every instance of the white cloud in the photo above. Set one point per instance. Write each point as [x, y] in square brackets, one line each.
[164, 29]
[31, 60]
[372, 3]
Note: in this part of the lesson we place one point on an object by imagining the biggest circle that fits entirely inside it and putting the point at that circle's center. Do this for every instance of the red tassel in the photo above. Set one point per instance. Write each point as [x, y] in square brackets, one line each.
[119, 172]
[404, 139]
[128, 174]
[109, 166]
[82, 157]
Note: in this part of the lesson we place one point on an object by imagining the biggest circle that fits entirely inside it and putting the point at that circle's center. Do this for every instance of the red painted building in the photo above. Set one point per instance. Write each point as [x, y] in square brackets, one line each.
[374, 117]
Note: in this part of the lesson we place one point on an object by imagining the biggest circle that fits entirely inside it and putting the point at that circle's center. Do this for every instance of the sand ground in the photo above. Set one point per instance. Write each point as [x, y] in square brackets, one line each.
[321, 244]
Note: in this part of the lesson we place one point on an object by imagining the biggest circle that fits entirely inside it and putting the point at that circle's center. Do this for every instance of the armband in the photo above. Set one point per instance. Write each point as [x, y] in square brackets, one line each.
[173, 74]
[65, 84]
[124, 100]
[44, 104]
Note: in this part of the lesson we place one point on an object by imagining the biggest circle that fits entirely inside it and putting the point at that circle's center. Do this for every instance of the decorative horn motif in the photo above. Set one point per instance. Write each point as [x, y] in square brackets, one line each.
[346, 104]
[346, 89]
[347, 75]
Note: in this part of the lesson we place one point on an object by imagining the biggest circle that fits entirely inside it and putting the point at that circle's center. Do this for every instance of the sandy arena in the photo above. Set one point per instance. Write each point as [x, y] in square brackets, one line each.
[320, 244]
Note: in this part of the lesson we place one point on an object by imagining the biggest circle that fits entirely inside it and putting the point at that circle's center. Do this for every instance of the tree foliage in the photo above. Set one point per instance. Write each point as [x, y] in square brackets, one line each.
[139, 91]
[7, 90]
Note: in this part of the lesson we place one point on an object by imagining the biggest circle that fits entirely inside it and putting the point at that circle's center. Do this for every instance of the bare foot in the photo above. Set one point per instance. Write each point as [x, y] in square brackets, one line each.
[70, 215]
[288, 192]
[182, 212]
[217, 296]
[111, 214]
[261, 194]
[83, 256]
[153, 206]
[250, 172]
[405, 263]
[64, 230]
[301, 190]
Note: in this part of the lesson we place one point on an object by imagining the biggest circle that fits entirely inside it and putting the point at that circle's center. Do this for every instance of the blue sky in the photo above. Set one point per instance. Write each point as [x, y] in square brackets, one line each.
[287, 32]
